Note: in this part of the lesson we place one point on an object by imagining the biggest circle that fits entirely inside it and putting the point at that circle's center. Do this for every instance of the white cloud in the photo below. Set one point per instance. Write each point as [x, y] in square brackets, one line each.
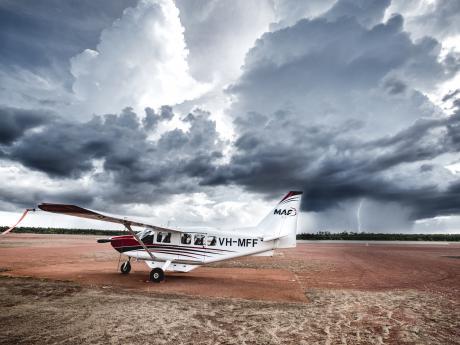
[439, 225]
[435, 18]
[219, 33]
[221, 207]
[23, 88]
[288, 12]
[140, 61]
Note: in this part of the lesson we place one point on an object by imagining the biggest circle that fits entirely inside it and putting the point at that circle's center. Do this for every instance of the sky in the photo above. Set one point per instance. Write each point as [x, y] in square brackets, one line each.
[205, 113]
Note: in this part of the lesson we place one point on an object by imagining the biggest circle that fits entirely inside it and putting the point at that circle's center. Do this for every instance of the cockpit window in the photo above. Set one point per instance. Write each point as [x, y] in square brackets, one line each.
[146, 236]
[199, 240]
[143, 233]
[186, 239]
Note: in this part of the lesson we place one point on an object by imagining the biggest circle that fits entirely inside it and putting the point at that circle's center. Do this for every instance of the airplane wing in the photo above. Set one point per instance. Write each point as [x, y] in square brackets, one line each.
[72, 210]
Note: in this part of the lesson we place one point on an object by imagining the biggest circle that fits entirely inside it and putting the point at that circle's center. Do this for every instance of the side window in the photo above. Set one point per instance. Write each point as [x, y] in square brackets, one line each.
[186, 238]
[199, 240]
[211, 241]
[159, 237]
[167, 237]
[164, 237]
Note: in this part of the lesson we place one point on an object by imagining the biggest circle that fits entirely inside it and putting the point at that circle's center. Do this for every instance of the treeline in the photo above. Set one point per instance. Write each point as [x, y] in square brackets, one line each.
[365, 236]
[322, 235]
[34, 230]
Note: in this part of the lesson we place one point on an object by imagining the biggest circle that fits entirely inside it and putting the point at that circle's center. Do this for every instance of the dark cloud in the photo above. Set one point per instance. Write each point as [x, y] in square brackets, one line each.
[395, 86]
[151, 119]
[452, 62]
[319, 69]
[329, 106]
[332, 168]
[166, 112]
[451, 95]
[135, 168]
[14, 122]
[29, 197]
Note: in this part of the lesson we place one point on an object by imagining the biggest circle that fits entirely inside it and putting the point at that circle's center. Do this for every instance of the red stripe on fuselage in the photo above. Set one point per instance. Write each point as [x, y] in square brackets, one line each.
[165, 248]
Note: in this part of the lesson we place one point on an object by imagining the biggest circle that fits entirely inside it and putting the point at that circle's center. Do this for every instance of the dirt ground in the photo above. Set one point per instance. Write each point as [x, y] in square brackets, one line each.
[313, 294]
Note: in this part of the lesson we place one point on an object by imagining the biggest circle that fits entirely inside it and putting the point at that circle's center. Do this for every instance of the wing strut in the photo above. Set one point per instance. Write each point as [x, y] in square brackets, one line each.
[127, 226]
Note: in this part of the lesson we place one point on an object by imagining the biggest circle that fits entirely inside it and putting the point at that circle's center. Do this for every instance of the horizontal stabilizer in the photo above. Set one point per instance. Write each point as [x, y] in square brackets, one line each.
[267, 253]
[271, 238]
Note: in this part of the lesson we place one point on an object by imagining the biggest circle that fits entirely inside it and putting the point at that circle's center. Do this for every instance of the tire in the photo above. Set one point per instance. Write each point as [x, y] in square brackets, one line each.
[157, 275]
[125, 267]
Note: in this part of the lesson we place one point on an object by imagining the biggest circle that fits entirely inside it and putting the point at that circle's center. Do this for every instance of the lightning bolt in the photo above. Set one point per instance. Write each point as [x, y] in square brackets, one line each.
[358, 214]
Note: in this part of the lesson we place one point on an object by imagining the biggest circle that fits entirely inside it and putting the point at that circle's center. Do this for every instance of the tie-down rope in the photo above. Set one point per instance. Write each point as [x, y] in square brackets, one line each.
[19, 221]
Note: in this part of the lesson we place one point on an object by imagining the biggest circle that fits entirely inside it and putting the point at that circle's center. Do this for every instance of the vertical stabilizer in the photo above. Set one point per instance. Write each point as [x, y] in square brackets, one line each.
[281, 222]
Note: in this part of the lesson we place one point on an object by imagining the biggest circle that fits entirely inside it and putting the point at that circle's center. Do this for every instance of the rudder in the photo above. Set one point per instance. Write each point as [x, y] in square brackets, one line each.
[281, 222]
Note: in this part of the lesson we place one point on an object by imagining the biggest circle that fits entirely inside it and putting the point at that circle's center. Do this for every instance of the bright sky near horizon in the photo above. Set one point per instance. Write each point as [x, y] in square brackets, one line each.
[207, 112]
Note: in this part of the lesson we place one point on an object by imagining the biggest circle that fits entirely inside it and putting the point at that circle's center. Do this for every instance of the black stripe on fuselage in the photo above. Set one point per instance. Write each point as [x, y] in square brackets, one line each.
[188, 247]
[173, 251]
[184, 249]
[162, 251]
[194, 248]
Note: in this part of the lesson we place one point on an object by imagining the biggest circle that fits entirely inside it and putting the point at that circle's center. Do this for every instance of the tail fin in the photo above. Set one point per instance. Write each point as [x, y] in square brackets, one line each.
[281, 222]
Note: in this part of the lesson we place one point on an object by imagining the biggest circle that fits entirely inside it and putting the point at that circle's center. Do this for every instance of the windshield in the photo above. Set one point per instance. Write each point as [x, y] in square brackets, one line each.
[142, 234]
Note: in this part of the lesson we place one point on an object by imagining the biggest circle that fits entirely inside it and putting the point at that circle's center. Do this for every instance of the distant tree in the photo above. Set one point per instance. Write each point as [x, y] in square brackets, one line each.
[366, 236]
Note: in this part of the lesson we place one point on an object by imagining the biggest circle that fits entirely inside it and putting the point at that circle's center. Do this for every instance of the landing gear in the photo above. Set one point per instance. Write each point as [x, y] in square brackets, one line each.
[125, 267]
[157, 275]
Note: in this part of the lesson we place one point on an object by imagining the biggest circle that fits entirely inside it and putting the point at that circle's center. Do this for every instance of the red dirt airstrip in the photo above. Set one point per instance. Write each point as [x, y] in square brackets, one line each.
[284, 277]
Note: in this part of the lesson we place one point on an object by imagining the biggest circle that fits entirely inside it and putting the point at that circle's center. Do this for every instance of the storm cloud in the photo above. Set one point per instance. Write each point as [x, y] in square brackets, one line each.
[346, 100]
[15, 122]
[329, 106]
[136, 167]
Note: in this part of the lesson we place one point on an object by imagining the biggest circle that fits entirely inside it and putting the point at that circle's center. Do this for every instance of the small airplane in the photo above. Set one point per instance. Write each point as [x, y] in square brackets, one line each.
[164, 249]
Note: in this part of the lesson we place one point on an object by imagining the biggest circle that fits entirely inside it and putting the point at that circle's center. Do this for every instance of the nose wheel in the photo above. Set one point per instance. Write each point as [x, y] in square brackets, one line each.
[125, 267]
[157, 275]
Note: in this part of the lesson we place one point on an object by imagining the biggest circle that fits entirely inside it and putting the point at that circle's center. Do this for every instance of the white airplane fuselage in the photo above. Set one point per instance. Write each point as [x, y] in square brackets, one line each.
[167, 249]
[185, 255]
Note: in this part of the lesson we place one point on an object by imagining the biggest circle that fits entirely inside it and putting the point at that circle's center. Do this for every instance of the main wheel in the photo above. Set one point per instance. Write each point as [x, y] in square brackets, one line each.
[125, 267]
[157, 275]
